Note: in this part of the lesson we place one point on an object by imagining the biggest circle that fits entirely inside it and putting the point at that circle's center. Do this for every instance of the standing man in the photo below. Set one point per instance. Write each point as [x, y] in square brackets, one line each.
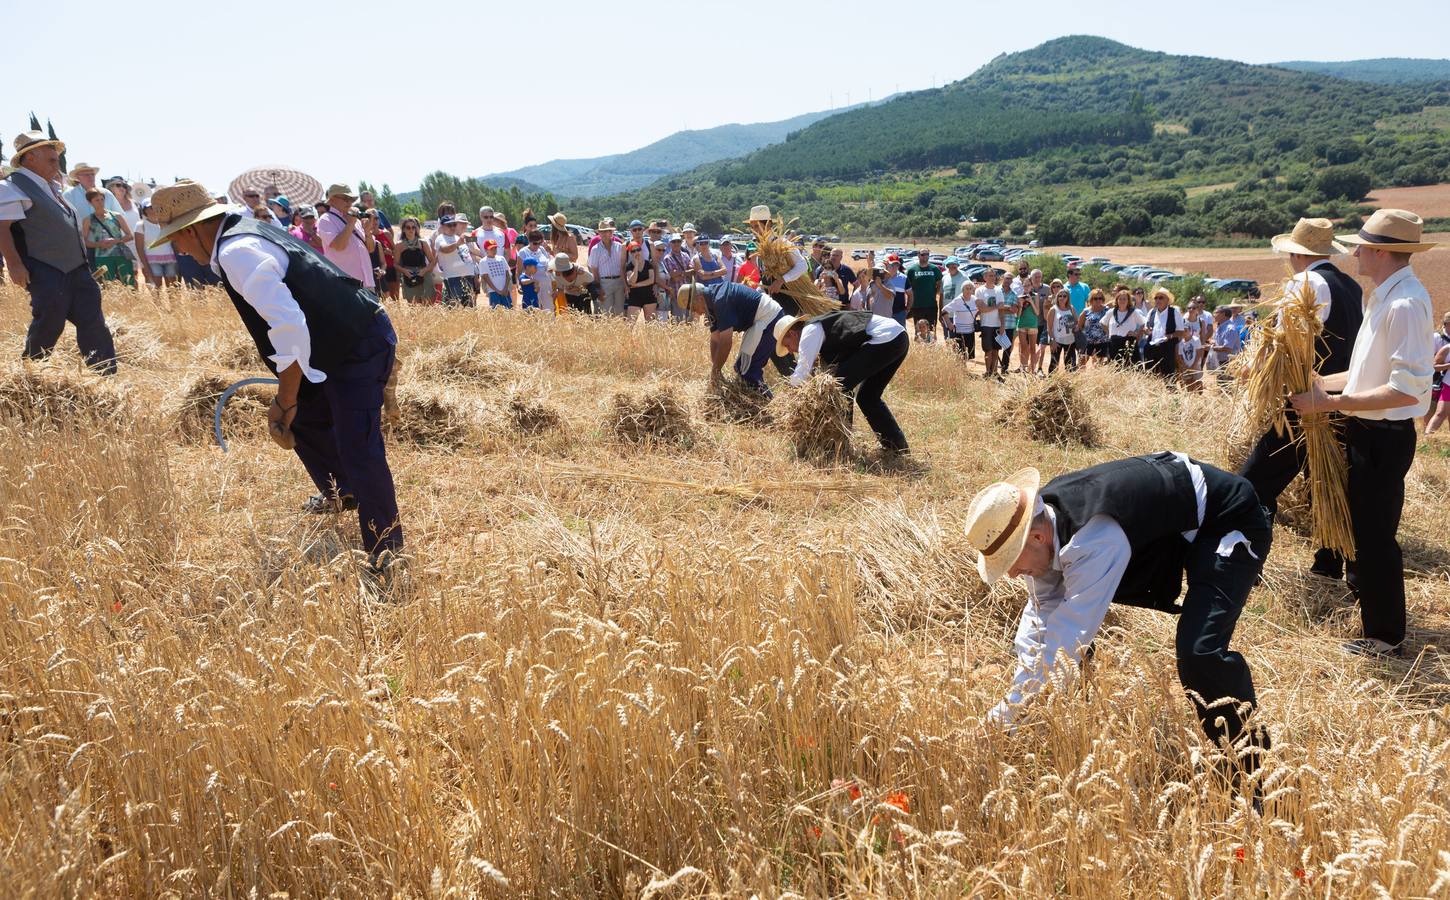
[606, 264]
[1164, 330]
[1077, 291]
[925, 281]
[83, 177]
[41, 244]
[1277, 459]
[327, 339]
[729, 308]
[863, 351]
[846, 274]
[1128, 531]
[1385, 387]
[344, 242]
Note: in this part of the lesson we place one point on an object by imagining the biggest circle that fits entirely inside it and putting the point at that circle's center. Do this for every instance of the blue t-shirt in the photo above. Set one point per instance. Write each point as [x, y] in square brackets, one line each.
[735, 306]
[1079, 295]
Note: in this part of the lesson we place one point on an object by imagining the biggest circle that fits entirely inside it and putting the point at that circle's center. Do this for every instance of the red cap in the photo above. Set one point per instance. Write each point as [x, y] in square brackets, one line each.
[893, 258]
[490, 245]
[633, 245]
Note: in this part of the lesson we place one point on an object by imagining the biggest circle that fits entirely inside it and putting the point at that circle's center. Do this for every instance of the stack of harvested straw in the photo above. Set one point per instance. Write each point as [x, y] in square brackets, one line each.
[194, 411]
[654, 415]
[48, 394]
[817, 419]
[1283, 365]
[777, 254]
[1053, 412]
[737, 402]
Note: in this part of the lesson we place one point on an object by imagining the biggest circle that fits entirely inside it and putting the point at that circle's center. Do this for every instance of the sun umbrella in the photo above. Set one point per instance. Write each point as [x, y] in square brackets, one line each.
[298, 187]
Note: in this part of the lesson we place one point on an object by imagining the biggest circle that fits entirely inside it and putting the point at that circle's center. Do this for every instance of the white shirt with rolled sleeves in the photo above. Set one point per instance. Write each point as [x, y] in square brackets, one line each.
[14, 202]
[1066, 605]
[878, 331]
[1394, 346]
[606, 262]
[1316, 281]
[255, 268]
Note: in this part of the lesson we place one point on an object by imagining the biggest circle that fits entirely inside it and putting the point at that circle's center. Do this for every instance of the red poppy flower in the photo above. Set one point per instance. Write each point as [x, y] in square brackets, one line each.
[1238, 853]
[899, 800]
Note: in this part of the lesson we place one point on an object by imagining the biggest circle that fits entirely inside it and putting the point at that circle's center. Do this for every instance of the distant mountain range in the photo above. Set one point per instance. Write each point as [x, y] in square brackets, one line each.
[679, 152]
[1391, 70]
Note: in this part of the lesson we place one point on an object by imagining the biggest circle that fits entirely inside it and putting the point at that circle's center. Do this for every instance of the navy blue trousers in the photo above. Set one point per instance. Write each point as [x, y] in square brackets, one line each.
[58, 297]
[339, 432]
[754, 373]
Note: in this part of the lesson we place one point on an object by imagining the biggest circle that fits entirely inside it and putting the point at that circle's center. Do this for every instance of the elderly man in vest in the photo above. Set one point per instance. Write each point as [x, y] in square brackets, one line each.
[41, 243]
[1128, 532]
[1277, 459]
[327, 339]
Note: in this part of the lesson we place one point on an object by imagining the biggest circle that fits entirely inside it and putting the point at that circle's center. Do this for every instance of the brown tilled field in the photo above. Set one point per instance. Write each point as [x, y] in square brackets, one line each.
[1430, 201]
[644, 650]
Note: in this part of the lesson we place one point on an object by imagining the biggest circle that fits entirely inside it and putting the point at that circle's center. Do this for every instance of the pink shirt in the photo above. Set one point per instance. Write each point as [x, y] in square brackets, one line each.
[354, 260]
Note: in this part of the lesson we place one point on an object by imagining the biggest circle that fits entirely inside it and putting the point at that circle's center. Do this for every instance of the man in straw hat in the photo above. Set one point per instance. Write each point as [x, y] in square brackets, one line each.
[1386, 385]
[729, 308]
[862, 350]
[1128, 531]
[82, 177]
[784, 272]
[41, 244]
[327, 339]
[1278, 459]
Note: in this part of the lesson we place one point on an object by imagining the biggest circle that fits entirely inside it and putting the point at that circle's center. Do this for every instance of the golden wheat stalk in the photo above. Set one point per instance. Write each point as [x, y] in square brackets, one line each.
[1284, 364]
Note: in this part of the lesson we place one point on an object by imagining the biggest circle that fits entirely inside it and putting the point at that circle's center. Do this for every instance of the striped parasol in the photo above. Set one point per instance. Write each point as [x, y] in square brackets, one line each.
[298, 187]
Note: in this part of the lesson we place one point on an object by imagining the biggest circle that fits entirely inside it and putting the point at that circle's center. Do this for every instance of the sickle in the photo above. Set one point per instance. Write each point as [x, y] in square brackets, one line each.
[222, 402]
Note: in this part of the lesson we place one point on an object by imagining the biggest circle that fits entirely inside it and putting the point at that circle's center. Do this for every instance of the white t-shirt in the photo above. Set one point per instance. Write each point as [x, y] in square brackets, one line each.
[490, 234]
[964, 314]
[132, 217]
[989, 301]
[454, 264]
[497, 269]
[1188, 349]
[149, 231]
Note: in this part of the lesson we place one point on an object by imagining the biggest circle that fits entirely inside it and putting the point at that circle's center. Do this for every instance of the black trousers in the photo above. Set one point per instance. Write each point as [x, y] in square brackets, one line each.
[58, 297]
[1275, 461]
[1162, 358]
[966, 343]
[1218, 587]
[1059, 351]
[867, 372]
[1123, 349]
[1380, 453]
[1007, 351]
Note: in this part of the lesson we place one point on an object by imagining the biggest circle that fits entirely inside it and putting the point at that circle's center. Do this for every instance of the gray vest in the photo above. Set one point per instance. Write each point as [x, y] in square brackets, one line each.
[48, 232]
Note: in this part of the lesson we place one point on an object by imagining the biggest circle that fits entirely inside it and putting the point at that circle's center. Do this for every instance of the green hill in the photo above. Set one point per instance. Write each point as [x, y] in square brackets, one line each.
[628, 171]
[1087, 140]
[1390, 70]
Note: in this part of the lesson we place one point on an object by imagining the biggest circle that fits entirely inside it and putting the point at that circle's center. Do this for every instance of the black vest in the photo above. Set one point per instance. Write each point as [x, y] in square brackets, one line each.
[1335, 344]
[338, 309]
[845, 333]
[1152, 499]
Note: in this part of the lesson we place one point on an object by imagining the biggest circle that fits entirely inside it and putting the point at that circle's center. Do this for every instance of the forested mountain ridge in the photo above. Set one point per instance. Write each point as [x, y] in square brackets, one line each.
[1389, 70]
[1125, 144]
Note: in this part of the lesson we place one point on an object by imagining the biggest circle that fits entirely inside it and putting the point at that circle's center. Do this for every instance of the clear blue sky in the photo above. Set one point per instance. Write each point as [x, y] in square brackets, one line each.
[207, 89]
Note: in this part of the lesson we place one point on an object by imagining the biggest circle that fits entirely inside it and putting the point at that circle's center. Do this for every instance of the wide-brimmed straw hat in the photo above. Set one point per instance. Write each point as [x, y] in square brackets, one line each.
[558, 220]
[80, 168]
[1395, 230]
[340, 190]
[784, 325]
[998, 521]
[1310, 237]
[759, 213]
[33, 140]
[562, 263]
[180, 206]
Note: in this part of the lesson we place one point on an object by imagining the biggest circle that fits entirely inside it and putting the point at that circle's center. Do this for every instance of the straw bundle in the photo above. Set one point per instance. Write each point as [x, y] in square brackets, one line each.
[817, 419]
[1284, 365]
[463, 360]
[228, 351]
[734, 401]
[777, 254]
[432, 417]
[137, 343]
[42, 394]
[1052, 411]
[530, 416]
[655, 414]
[194, 413]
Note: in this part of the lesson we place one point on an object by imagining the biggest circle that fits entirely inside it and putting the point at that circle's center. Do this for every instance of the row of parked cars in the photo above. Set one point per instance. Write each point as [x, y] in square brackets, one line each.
[996, 250]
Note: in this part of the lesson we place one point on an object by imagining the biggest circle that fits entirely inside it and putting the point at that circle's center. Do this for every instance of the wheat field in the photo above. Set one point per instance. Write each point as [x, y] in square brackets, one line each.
[669, 662]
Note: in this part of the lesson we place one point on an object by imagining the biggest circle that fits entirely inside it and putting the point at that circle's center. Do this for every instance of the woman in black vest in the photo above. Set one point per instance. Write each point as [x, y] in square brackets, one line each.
[1128, 532]
[863, 350]
[327, 339]
[1278, 459]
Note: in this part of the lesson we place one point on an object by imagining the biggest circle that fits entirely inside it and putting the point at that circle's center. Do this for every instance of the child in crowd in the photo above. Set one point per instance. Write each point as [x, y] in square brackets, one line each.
[529, 282]
[494, 272]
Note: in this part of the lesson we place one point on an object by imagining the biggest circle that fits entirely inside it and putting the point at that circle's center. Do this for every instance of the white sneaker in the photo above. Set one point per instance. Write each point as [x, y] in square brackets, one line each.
[1372, 648]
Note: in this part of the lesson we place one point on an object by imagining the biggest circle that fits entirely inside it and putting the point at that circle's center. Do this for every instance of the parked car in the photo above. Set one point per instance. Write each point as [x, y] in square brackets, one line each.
[1069, 258]
[1111, 267]
[1158, 275]
[1034, 244]
[1235, 285]
[989, 255]
[1099, 260]
[860, 253]
[1134, 271]
[962, 251]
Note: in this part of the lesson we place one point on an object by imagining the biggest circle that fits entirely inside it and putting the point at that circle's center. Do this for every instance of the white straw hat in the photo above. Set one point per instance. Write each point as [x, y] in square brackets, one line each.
[1395, 230]
[782, 325]
[760, 213]
[998, 520]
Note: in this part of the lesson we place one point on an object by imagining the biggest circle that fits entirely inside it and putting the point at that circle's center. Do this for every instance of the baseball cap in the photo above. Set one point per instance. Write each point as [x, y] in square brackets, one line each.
[660, 245]
[636, 224]
[688, 226]
[953, 261]
[490, 245]
[447, 220]
[530, 261]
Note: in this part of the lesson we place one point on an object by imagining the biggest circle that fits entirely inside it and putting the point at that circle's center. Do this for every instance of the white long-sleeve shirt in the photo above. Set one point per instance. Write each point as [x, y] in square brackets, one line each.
[1395, 346]
[255, 268]
[879, 330]
[797, 268]
[1066, 605]
[1316, 281]
[14, 202]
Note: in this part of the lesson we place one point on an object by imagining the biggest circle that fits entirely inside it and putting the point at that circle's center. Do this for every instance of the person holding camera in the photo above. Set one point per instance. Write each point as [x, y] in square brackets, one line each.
[871, 291]
[344, 242]
[415, 261]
